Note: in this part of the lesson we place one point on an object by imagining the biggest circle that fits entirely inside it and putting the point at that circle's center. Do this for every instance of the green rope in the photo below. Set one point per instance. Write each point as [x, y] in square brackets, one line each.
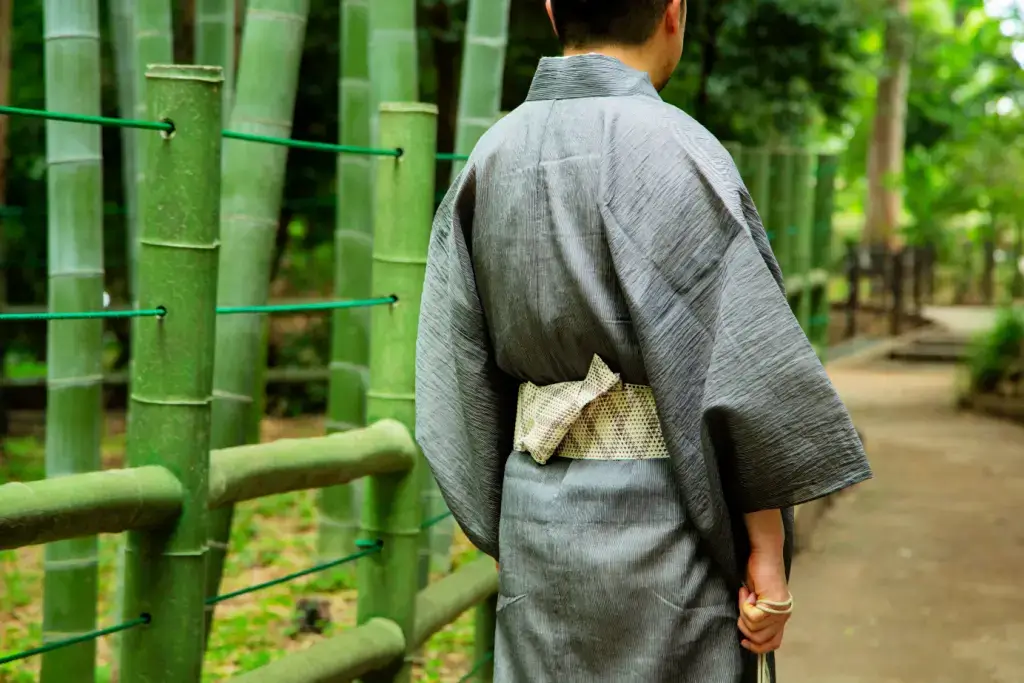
[435, 520]
[86, 315]
[484, 661]
[221, 310]
[297, 575]
[85, 118]
[318, 146]
[91, 635]
[318, 306]
[448, 156]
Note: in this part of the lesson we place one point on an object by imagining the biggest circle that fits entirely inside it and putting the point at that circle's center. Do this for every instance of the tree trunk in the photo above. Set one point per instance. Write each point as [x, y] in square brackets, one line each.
[74, 415]
[253, 181]
[885, 154]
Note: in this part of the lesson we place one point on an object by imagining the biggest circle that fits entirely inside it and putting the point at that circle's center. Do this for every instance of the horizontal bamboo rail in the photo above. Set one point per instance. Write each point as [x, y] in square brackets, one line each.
[86, 504]
[248, 472]
[379, 642]
[441, 603]
[143, 497]
[344, 657]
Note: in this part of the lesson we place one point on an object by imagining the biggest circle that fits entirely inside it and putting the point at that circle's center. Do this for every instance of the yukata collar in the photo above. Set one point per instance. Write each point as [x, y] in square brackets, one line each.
[589, 75]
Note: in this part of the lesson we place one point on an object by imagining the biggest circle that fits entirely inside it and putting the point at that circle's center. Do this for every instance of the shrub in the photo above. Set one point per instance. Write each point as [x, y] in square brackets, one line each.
[997, 352]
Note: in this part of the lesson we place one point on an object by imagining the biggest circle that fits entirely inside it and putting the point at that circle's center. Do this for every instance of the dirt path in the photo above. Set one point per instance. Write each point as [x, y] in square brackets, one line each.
[916, 577]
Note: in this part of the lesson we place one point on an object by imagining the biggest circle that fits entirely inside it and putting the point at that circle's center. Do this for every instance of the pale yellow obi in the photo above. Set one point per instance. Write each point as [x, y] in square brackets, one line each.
[598, 418]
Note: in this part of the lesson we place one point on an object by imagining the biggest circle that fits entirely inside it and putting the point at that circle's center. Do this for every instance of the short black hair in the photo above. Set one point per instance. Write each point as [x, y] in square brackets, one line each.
[620, 22]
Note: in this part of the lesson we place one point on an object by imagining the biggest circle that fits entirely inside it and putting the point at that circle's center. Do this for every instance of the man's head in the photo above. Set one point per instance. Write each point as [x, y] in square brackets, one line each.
[648, 33]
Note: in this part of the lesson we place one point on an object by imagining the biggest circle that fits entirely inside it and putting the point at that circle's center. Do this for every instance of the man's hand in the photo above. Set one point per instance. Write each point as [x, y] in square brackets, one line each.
[763, 623]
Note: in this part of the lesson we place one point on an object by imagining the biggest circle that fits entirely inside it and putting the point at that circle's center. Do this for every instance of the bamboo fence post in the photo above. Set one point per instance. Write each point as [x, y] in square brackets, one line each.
[821, 258]
[74, 409]
[394, 77]
[152, 43]
[172, 376]
[353, 237]
[215, 41]
[802, 231]
[484, 629]
[253, 179]
[121, 16]
[388, 581]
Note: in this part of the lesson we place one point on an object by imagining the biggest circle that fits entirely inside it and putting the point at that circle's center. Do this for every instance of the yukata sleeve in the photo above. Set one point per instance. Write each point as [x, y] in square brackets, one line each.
[781, 434]
[750, 417]
[464, 413]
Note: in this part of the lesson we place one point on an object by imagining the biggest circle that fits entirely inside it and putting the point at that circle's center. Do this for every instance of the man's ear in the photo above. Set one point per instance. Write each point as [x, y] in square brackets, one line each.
[675, 15]
[551, 15]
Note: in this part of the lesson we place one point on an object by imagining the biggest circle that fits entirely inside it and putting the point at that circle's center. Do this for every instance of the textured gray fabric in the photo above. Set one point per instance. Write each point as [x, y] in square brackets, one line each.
[596, 219]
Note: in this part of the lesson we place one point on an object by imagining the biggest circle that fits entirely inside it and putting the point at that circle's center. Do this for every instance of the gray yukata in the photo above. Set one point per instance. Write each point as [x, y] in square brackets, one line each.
[596, 219]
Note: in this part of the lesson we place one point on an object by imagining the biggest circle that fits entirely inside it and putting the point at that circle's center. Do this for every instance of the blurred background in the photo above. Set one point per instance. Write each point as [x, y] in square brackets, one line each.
[912, 578]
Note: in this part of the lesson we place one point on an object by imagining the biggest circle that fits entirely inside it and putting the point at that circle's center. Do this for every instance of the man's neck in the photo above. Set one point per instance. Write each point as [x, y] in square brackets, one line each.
[634, 57]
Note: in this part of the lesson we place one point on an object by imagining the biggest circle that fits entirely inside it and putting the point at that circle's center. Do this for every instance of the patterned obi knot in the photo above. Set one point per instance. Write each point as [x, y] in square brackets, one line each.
[599, 418]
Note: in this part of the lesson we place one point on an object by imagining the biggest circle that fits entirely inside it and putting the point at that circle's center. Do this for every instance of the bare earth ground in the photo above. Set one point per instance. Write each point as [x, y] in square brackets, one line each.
[915, 577]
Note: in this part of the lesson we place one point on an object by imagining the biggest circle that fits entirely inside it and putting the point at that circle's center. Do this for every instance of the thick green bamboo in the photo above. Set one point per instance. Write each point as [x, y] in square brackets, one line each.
[755, 168]
[484, 631]
[353, 238]
[345, 657]
[480, 87]
[74, 415]
[152, 43]
[172, 374]
[780, 206]
[253, 180]
[394, 59]
[247, 472]
[802, 235]
[86, 504]
[404, 203]
[215, 41]
[483, 73]
[441, 603]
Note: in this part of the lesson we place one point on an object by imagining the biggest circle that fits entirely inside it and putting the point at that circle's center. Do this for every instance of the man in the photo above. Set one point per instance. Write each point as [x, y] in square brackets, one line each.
[612, 391]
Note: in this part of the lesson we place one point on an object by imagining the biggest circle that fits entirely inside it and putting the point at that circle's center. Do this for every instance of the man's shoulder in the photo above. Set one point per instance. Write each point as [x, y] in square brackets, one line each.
[670, 129]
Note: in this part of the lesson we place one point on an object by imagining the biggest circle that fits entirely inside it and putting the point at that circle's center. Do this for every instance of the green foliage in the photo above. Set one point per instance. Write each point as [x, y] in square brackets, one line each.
[997, 352]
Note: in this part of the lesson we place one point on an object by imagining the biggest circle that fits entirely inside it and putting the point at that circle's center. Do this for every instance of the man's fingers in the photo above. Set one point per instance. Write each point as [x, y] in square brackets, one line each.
[757, 619]
[763, 648]
[762, 636]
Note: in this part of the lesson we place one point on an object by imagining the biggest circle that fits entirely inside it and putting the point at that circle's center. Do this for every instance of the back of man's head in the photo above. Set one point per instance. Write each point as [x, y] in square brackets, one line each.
[585, 23]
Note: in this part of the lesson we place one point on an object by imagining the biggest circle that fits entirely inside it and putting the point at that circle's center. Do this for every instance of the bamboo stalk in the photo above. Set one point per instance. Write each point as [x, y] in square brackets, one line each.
[215, 41]
[86, 504]
[121, 15]
[483, 73]
[247, 472]
[779, 206]
[484, 632]
[393, 56]
[353, 238]
[802, 223]
[344, 657]
[74, 421]
[152, 43]
[821, 254]
[172, 375]
[253, 180]
[480, 87]
[755, 167]
[392, 508]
